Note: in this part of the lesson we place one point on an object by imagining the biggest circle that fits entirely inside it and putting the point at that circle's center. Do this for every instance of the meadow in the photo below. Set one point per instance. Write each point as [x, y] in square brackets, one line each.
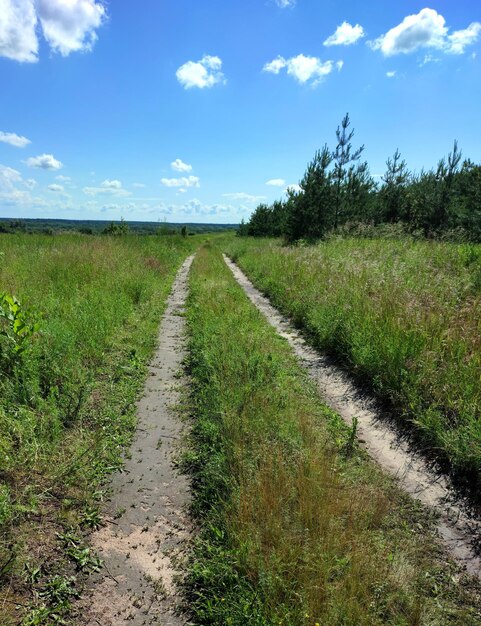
[73, 348]
[402, 315]
[296, 525]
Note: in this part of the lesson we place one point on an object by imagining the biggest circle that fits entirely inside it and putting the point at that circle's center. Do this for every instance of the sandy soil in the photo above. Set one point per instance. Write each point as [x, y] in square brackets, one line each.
[147, 524]
[458, 529]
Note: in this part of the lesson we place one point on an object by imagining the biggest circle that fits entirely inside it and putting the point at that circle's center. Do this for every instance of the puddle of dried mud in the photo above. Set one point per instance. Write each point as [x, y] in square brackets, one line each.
[148, 527]
[459, 531]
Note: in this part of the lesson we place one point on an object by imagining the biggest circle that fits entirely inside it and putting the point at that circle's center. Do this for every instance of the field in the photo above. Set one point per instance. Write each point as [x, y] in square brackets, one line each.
[298, 527]
[403, 316]
[67, 391]
[294, 524]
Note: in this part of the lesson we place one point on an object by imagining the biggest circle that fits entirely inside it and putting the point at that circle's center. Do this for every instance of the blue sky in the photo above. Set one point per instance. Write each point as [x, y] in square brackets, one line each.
[197, 111]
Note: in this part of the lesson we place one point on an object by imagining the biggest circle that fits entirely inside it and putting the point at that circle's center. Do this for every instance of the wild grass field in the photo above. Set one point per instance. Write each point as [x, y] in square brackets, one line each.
[297, 527]
[403, 315]
[73, 350]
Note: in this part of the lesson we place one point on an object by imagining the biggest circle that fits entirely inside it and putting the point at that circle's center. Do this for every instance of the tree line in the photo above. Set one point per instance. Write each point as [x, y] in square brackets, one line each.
[338, 194]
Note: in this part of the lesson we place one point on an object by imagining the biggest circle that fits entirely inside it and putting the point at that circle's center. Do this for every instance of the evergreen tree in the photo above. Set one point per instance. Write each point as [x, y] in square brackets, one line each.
[343, 155]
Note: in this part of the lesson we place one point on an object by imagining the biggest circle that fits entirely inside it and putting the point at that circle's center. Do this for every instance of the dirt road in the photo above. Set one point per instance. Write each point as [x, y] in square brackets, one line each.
[459, 531]
[148, 527]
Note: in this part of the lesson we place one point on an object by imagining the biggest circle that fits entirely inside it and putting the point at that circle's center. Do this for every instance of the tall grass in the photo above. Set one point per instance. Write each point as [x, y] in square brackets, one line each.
[67, 402]
[297, 528]
[403, 315]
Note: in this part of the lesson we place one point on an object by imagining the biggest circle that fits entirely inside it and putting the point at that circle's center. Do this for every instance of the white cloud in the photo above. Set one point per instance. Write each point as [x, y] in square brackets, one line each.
[69, 25]
[111, 184]
[204, 73]
[391, 74]
[285, 3]
[63, 179]
[303, 68]
[276, 182]
[12, 138]
[56, 188]
[345, 35]
[179, 166]
[244, 197]
[18, 39]
[462, 38]
[184, 181]
[8, 175]
[426, 29]
[45, 162]
[10, 194]
[108, 187]
[30, 183]
[138, 185]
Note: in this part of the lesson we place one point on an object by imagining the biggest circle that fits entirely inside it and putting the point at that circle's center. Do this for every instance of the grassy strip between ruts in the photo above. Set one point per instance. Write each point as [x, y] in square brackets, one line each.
[297, 527]
[68, 405]
[403, 315]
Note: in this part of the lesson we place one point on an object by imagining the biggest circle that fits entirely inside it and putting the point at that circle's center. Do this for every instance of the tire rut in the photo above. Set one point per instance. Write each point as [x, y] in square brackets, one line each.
[148, 527]
[458, 529]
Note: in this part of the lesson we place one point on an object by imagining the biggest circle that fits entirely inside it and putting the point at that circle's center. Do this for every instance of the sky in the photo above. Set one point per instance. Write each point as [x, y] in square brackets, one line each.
[188, 111]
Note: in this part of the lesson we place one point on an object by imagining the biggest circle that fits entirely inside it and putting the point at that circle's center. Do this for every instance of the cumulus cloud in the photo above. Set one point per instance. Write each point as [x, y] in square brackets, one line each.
[179, 166]
[204, 73]
[426, 29]
[12, 138]
[108, 187]
[276, 182]
[45, 162]
[62, 178]
[8, 176]
[243, 197]
[18, 38]
[10, 194]
[345, 35]
[112, 184]
[30, 183]
[184, 181]
[56, 188]
[285, 3]
[460, 39]
[67, 26]
[304, 69]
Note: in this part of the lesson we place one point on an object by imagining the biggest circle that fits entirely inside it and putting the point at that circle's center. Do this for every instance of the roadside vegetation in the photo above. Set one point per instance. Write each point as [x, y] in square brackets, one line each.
[402, 315]
[78, 322]
[297, 526]
[338, 194]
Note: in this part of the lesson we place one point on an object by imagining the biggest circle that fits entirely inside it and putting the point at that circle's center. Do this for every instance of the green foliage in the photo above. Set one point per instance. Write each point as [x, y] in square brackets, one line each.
[295, 528]
[16, 327]
[337, 193]
[67, 403]
[117, 229]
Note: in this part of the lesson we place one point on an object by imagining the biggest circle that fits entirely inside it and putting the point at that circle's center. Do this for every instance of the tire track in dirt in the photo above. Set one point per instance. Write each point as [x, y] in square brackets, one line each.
[458, 529]
[148, 526]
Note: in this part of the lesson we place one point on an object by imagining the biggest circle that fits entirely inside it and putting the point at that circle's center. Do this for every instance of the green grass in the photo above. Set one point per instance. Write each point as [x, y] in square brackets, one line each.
[297, 527]
[404, 316]
[67, 403]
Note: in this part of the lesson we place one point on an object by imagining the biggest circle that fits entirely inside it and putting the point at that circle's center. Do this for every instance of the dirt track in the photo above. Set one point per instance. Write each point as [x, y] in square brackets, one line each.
[459, 531]
[148, 527]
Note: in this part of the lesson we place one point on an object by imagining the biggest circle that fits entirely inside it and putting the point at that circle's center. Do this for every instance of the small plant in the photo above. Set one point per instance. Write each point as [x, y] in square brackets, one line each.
[80, 555]
[17, 327]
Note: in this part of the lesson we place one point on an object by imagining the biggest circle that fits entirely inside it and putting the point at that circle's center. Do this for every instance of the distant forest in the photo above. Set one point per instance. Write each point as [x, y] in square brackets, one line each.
[338, 194]
[97, 227]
